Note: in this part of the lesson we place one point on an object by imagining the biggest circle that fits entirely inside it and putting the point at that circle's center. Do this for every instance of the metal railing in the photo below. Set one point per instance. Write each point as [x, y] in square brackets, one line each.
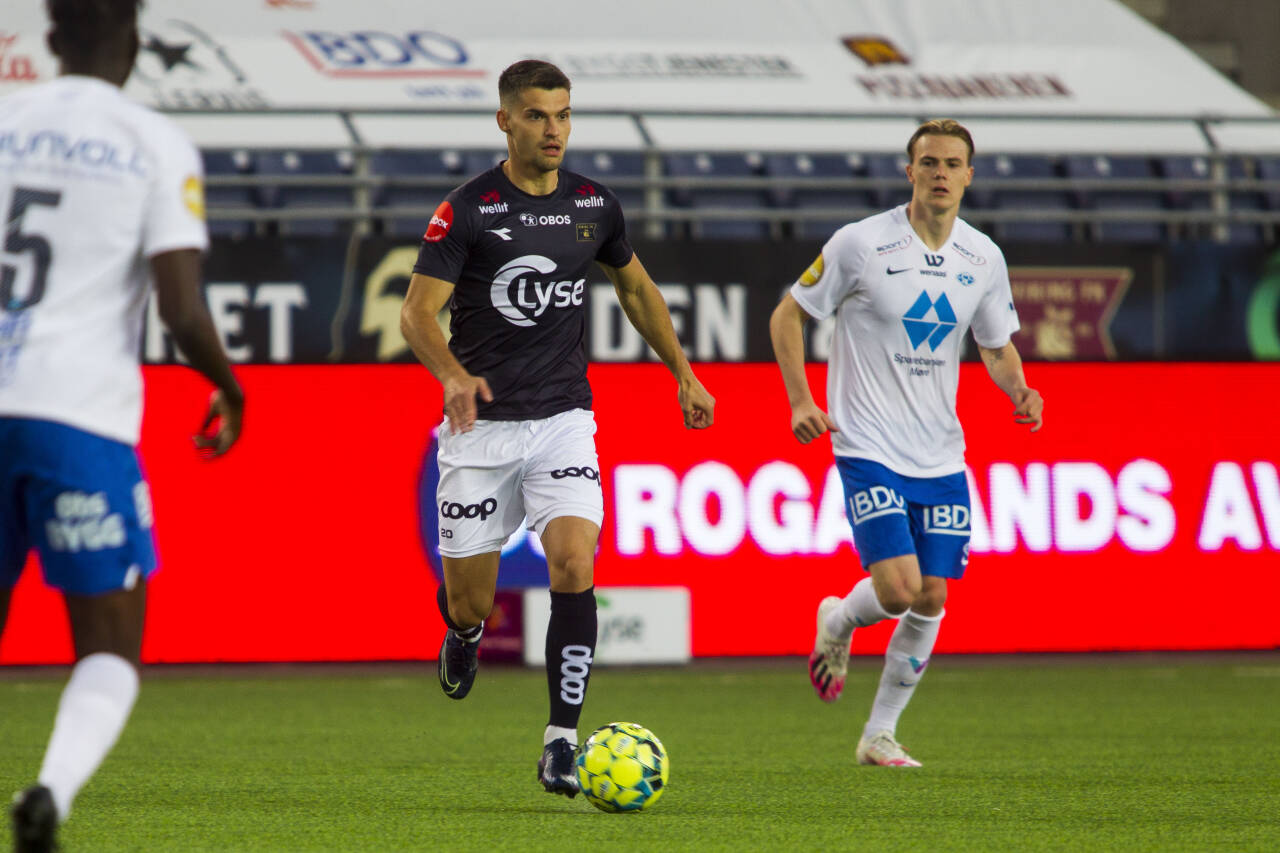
[659, 211]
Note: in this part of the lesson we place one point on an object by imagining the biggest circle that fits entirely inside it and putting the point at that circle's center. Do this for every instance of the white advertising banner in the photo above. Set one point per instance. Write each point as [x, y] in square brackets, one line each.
[640, 624]
[951, 57]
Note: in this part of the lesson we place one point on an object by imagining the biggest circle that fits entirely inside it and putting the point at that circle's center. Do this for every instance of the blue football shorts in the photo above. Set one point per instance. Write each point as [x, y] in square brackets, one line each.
[894, 515]
[80, 500]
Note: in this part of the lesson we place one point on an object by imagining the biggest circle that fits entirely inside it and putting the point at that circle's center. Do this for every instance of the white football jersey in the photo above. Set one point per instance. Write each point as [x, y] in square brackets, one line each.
[901, 311]
[91, 186]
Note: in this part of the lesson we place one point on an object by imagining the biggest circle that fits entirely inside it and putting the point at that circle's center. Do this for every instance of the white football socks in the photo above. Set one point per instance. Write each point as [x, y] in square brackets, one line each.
[858, 609]
[554, 732]
[904, 662]
[92, 712]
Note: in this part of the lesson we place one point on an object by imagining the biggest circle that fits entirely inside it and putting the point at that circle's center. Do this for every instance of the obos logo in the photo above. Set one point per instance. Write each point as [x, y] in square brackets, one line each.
[520, 298]
[523, 561]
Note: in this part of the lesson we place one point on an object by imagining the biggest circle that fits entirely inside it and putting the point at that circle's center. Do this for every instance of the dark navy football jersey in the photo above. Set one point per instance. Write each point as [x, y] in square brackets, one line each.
[519, 264]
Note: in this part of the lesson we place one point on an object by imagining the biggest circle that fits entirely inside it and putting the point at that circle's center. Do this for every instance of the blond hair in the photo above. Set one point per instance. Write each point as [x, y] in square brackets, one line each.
[940, 127]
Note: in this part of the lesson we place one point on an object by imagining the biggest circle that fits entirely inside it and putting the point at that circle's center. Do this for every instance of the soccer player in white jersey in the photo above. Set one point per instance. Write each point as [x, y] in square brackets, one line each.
[99, 194]
[905, 285]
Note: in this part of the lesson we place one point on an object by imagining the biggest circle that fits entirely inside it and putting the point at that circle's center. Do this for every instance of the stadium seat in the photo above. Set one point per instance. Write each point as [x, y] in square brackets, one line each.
[734, 166]
[857, 203]
[1101, 167]
[393, 164]
[1200, 168]
[1269, 170]
[322, 164]
[607, 167]
[891, 167]
[222, 163]
[475, 162]
[991, 170]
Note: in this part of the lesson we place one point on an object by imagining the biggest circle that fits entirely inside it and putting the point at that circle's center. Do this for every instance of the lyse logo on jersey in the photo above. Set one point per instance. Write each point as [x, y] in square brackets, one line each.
[951, 519]
[441, 222]
[876, 502]
[519, 298]
[83, 523]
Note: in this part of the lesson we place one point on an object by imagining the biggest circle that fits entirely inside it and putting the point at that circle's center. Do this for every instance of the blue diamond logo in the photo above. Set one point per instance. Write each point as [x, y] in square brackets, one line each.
[920, 328]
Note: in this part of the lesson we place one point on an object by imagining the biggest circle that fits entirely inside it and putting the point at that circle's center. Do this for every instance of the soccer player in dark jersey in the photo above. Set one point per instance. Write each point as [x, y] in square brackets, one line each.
[510, 251]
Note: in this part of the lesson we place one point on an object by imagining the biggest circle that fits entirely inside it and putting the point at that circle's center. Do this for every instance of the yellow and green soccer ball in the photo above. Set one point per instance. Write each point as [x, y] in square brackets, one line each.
[623, 767]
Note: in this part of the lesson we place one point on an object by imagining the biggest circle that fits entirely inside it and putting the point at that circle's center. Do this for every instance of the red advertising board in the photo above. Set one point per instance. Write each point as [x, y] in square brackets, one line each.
[1146, 515]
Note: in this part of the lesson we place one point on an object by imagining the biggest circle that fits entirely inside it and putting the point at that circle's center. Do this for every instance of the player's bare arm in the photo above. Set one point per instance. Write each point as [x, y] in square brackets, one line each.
[1004, 365]
[786, 331]
[647, 310]
[183, 310]
[422, 304]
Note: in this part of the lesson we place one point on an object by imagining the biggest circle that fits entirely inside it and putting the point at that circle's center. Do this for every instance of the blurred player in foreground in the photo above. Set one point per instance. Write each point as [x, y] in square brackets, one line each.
[98, 195]
[905, 285]
[509, 252]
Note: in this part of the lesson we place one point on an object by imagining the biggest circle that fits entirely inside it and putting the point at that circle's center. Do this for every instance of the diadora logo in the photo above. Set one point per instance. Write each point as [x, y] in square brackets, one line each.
[530, 220]
[482, 510]
[951, 519]
[532, 297]
[84, 523]
[573, 471]
[575, 667]
[934, 260]
[876, 502]
[921, 329]
[973, 258]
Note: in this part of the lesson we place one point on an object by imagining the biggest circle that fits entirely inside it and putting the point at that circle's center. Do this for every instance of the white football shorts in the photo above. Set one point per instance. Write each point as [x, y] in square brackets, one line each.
[502, 472]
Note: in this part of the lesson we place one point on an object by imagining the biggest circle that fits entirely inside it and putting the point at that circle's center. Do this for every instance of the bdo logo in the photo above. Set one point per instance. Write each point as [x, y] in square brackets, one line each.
[875, 502]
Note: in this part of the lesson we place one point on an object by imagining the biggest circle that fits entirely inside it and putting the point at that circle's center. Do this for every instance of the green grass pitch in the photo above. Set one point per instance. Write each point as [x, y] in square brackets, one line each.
[1123, 753]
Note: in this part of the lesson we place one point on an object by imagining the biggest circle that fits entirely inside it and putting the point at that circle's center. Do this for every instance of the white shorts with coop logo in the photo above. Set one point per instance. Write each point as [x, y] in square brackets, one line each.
[502, 472]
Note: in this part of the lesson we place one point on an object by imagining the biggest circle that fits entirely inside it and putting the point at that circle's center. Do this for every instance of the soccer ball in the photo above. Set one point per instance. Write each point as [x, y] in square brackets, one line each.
[622, 768]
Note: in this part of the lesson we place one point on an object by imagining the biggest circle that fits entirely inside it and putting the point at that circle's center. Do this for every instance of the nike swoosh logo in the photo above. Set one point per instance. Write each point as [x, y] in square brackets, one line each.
[450, 686]
[907, 684]
[892, 271]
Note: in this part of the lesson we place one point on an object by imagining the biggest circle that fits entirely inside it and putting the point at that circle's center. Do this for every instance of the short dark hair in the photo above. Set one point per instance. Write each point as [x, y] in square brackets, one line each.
[529, 74]
[87, 26]
[940, 127]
